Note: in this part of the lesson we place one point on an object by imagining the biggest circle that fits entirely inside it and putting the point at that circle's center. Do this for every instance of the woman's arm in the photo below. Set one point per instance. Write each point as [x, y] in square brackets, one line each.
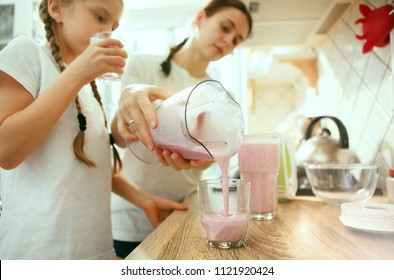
[135, 104]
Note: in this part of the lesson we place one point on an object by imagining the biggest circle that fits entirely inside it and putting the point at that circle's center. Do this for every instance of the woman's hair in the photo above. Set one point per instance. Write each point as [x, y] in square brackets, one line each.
[212, 8]
[80, 137]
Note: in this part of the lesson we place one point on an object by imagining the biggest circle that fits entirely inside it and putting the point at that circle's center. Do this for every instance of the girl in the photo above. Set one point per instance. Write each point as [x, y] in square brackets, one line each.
[220, 27]
[55, 161]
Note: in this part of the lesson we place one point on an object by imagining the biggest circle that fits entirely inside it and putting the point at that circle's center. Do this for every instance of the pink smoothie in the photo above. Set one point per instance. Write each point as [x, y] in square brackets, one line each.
[223, 165]
[263, 199]
[186, 153]
[224, 226]
[259, 164]
[204, 155]
[230, 228]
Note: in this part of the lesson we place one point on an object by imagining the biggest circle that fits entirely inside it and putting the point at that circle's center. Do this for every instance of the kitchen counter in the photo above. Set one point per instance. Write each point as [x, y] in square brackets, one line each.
[305, 229]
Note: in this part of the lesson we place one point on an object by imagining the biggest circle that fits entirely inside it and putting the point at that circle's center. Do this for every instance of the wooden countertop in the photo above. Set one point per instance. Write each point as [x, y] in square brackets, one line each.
[305, 229]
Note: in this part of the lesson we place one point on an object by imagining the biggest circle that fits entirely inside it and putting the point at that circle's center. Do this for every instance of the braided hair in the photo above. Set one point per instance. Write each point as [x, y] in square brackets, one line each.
[79, 140]
[166, 64]
[212, 7]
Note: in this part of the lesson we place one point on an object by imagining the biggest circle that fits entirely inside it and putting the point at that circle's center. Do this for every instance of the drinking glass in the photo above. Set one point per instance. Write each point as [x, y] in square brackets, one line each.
[224, 211]
[258, 160]
[96, 38]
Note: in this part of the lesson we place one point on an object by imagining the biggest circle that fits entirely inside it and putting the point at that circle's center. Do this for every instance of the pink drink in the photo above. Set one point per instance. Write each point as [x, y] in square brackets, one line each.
[204, 155]
[230, 228]
[223, 164]
[259, 163]
[226, 223]
[262, 199]
[187, 153]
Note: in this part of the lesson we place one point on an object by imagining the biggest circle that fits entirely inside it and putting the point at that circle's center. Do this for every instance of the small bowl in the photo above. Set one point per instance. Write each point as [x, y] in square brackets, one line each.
[339, 183]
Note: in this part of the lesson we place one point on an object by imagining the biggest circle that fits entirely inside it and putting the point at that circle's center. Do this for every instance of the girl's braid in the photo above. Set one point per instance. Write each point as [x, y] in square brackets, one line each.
[80, 138]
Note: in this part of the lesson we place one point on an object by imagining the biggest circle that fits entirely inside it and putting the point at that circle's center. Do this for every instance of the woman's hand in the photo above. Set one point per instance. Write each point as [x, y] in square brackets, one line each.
[177, 162]
[136, 113]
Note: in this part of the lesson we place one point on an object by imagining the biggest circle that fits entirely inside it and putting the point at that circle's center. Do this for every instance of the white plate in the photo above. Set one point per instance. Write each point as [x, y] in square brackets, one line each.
[368, 216]
[365, 229]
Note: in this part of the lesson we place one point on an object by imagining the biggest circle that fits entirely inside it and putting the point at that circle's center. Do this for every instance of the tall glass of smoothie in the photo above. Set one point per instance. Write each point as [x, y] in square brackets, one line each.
[224, 211]
[258, 159]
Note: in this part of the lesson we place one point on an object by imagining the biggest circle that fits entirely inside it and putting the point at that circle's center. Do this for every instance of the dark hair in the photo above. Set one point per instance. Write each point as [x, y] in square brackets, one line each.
[80, 137]
[213, 7]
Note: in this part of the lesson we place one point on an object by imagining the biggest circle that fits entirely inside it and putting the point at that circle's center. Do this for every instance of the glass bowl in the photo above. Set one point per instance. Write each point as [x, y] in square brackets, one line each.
[339, 183]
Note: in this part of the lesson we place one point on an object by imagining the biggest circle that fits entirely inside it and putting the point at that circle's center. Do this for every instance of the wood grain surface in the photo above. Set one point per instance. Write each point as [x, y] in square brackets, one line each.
[304, 229]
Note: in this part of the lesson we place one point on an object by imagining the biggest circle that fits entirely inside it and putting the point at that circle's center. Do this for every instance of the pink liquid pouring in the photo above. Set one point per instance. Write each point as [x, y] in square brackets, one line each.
[204, 155]
[223, 165]
[259, 164]
[220, 227]
[226, 226]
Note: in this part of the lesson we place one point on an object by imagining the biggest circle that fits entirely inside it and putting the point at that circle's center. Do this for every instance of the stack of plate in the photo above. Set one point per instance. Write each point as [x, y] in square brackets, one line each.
[369, 216]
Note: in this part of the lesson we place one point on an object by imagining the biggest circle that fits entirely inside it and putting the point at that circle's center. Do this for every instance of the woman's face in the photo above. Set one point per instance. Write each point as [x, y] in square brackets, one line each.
[221, 32]
[82, 18]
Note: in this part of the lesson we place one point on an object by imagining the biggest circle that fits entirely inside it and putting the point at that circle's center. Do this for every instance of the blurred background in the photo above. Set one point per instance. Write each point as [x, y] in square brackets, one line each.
[302, 61]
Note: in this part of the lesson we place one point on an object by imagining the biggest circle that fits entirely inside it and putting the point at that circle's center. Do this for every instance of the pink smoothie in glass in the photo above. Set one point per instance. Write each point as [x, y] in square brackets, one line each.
[204, 155]
[259, 164]
[225, 226]
[230, 228]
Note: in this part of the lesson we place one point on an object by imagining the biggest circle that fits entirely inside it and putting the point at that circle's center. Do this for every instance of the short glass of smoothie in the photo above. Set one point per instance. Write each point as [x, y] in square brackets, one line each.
[225, 211]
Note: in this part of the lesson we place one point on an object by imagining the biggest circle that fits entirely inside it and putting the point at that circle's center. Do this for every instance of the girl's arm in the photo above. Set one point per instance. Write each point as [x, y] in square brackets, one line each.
[156, 208]
[24, 124]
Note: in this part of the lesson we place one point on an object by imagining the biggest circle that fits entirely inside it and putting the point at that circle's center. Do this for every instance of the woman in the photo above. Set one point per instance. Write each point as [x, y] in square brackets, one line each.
[219, 28]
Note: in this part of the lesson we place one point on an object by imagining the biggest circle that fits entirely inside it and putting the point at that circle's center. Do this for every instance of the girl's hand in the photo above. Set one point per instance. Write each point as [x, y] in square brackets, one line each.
[157, 209]
[136, 113]
[105, 56]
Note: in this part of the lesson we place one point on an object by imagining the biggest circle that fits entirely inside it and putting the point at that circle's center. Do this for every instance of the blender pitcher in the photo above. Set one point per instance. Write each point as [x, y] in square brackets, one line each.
[202, 122]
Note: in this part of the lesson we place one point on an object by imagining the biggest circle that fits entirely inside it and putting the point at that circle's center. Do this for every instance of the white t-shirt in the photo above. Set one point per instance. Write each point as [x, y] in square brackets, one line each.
[54, 206]
[129, 223]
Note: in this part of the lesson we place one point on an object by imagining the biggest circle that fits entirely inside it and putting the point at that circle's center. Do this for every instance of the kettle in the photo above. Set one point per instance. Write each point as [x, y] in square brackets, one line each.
[322, 148]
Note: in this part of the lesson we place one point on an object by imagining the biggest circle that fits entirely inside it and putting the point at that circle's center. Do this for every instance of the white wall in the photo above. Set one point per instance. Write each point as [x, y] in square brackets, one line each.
[363, 93]
[357, 88]
[26, 18]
